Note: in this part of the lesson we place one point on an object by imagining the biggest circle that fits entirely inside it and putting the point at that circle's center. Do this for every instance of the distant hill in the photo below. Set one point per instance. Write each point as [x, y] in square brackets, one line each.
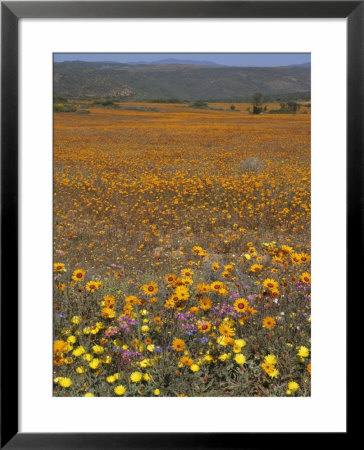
[176, 80]
[175, 61]
[307, 64]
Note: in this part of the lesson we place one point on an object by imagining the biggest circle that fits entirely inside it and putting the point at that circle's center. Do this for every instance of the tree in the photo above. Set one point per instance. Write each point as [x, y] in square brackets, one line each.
[293, 106]
[257, 103]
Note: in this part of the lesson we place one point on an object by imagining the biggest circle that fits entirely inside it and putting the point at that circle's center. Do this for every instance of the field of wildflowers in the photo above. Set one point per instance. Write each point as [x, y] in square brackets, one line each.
[181, 253]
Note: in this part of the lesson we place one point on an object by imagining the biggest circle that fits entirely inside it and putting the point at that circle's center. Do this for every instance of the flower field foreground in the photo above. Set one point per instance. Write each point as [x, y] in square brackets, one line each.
[181, 253]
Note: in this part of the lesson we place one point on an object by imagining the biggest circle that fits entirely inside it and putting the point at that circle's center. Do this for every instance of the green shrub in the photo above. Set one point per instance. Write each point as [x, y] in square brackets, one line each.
[281, 111]
[59, 99]
[251, 164]
[103, 103]
[199, 104]
[64, 108]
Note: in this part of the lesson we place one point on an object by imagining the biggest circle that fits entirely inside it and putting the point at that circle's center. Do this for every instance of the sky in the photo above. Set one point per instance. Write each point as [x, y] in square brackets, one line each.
[228, 59]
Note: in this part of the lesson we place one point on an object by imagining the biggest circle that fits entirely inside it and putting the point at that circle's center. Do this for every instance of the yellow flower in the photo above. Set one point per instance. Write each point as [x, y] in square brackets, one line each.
[203, 326]
[205, 303]
[145, 363]
[65, 382]
[226, 330]
[306, 278]
[95, 363]
[270, 359]
[256, 268]
[268, 368]
[59, 267]
[186, 273]
[135, 377]
[274, 373]
[80, 370]
[98, 349]
[71, 339]
[204, 288]
[224, 356]
[157, 392]
[240, 358]
[92, 286]
[217, 286]
[293, 386]
[182, 292]
[59, 346]
[111, 379]
[303, 352]
[240, 343]
[147, 377]
[194, 367]
[224, 340]
[119, 390]
[89, 394]
[108, 313]
[87, 356]
[79, 275]
[151, 288]
[270, 284]
[198, 250]
[145, 329]
[241, 305]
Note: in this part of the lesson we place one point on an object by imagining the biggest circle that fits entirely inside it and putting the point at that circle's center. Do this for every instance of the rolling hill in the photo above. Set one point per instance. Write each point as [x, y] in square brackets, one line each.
[182, 81]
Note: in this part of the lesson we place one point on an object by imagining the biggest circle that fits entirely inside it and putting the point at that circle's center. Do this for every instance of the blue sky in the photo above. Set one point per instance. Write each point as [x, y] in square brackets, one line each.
[229, 59]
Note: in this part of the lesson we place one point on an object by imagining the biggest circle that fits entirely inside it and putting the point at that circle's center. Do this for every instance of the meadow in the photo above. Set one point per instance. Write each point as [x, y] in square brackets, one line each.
[181, 252]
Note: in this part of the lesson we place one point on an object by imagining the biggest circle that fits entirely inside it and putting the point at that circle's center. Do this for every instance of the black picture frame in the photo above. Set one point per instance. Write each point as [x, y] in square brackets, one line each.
[11, 12]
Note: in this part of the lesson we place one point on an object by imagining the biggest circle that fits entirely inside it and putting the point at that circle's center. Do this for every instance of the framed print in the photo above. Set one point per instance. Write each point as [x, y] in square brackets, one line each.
[176, 177]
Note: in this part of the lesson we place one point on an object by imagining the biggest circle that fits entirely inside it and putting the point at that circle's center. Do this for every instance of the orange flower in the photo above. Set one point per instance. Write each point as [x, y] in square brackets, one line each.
[205, 303]
[241, 305]
[269, 322]
[178, 345]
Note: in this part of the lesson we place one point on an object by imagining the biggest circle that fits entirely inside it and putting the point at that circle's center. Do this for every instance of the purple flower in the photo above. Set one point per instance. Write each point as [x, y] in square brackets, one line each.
[126, 321]
[115, 266]
[111, 331]
[128, 356]
[192, 332]
[224, 310]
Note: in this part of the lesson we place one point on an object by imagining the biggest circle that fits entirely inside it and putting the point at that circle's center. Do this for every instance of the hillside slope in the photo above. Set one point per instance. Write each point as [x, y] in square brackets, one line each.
[183, 81]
